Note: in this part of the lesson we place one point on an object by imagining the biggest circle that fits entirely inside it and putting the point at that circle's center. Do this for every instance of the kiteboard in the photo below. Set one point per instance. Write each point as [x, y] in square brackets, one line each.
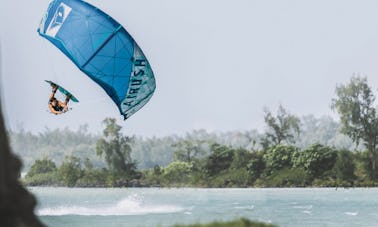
[63, 90]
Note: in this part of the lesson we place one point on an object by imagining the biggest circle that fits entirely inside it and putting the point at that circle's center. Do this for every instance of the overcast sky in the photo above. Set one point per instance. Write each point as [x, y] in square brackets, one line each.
[217, 63]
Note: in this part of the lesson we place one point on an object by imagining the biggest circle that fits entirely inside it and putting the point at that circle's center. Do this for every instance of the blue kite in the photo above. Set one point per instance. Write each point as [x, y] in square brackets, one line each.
[102, 49]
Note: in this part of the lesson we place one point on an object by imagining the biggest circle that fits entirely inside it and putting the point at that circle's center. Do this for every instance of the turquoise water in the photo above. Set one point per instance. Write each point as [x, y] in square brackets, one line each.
[151, 207]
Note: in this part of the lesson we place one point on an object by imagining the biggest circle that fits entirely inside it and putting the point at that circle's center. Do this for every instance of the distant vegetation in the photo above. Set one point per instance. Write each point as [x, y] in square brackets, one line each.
[56, 144]
[292, 152]
[238, 223]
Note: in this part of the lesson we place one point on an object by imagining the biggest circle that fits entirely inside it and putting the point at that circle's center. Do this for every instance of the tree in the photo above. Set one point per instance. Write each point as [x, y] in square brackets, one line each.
[116, 149]
[88, 164]
[345, 166]
[282, 127]
[315, 160]
[324, 130]
[278, 157]
[354, 103]
[240, 158]
[70, 171]
[256, 165]
[178, 172]
[41, 166]
[220, 159]
[187, 150]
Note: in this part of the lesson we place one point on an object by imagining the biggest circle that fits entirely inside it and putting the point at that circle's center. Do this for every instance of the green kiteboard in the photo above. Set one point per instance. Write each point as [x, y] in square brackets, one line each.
[63, 91]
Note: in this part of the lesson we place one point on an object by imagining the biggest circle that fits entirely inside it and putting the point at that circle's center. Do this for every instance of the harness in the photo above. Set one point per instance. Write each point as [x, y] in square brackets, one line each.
[56, 107]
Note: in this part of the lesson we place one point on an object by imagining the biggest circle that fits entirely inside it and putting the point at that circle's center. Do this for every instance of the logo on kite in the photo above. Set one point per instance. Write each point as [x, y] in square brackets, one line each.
[58, 19]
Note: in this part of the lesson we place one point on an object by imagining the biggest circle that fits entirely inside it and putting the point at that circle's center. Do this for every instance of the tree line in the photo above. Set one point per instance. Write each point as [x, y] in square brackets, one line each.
[56, 144]
[291, 152]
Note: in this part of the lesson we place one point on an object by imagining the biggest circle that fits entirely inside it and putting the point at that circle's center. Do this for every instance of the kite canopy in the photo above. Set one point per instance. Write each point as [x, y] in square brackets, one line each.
[103, 50]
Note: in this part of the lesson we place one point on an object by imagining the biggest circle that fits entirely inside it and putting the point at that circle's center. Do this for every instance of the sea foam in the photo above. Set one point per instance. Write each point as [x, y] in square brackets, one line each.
[126, 206]
[351, 213]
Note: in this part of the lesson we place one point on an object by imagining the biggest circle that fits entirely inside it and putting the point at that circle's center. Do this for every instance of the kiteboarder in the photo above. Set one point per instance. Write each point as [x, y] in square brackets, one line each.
[56, 106]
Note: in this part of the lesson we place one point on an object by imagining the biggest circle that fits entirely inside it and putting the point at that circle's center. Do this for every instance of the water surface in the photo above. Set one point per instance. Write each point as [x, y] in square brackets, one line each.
[151, 207]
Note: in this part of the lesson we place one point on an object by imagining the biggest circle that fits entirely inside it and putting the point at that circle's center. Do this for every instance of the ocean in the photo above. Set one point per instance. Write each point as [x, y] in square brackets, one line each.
[150, 207]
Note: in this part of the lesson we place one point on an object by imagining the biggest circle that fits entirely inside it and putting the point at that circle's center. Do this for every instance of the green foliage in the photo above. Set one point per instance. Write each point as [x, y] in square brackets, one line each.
[57, 143]
[315, 160]
[115, 179]
[355, 105]
[199, 175]
[88, 164]
[230, 178]
[256, 165]
[157, 170]
[46, 179]
[187, 150]
[220, 159]
[240, 158]
[287, 177]
[283, 127]
[232, 159]
[177, 172]
[344, 167]
[116, 149]
[42, 166]
[278, 157]
[92, 178]
[153, 176]
[70, 171]
[363, 169]
[237, 223]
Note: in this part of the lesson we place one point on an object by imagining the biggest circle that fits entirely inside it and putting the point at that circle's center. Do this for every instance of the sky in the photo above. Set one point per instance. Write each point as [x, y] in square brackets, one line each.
[217, 63]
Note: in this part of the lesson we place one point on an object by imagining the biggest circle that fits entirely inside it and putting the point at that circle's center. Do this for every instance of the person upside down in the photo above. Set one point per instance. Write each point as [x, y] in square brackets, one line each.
[55, 106]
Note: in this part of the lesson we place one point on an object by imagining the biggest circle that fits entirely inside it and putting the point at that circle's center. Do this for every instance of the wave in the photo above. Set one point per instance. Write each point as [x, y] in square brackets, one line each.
[127, 206]
[251, 207]
[305, 207]
[307, 212]
[351, 213]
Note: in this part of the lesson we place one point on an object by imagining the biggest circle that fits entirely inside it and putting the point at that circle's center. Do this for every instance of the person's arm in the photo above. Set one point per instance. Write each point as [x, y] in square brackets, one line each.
[53, 93]
[64, 105]
[68, 98]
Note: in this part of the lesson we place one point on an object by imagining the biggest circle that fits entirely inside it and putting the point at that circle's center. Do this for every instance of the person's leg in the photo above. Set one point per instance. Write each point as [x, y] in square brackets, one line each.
[68, 98]
[54, 88]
